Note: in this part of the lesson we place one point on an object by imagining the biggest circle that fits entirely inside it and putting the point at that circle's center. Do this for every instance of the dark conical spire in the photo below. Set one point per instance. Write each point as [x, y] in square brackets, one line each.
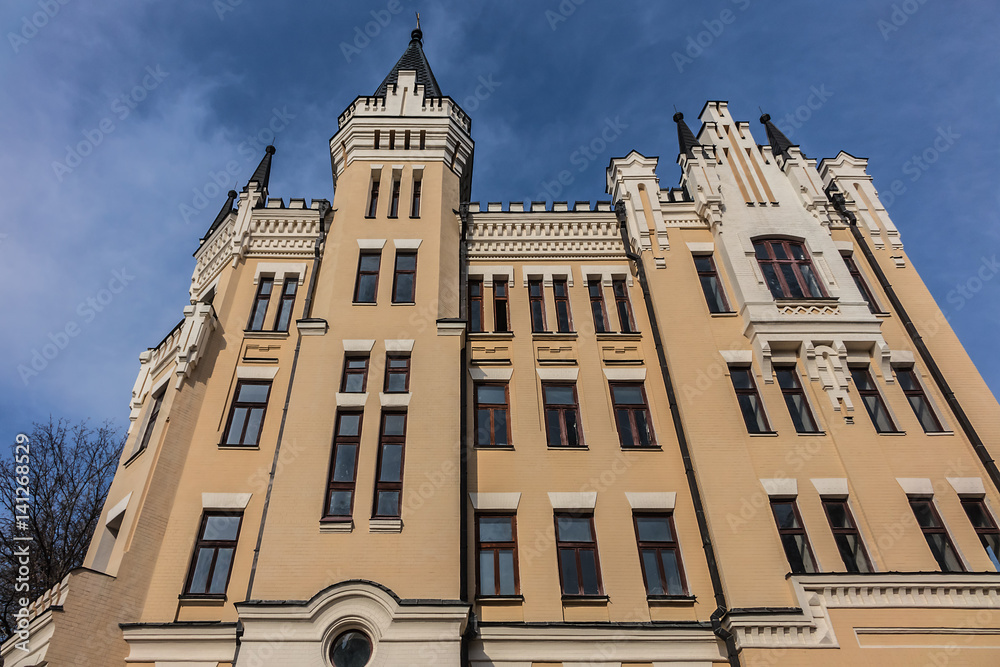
[685, 137]
[413, 59]
[227, 208]
[262, 174]
[779, 142]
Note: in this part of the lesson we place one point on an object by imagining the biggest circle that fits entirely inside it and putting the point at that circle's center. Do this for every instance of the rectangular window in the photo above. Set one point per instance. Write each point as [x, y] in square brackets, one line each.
[343, 466]
[562, 415]
[247, 413]
[423, 139]
[492, 415]
[154, 413]
[397, 374]
[795, 399]
[286, 303]
[475, 305]
[936, 535]
[373, 197]
[711, 285]
[870, 396]
[366, 286]
[563, 317]
[355, 380]
[389, 484]
[392, 140]
[496, 535]
[415, 204]
[910, 384]
[394, 199]
[847, 536]
[501, 309]
[597, 308]
[985, 527]
[787, 270]
[579, 568]
[659, 554]
[635, 427]
[378, 139]
[536, 300]
[212, 563]
[259, 310]
[793, 536]
[404, 278]
[749, 399]
[406, 140]
[859, 280]
[623, 306]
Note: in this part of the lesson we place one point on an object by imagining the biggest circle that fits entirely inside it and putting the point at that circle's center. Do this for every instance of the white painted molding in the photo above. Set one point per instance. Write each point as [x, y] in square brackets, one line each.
[916, 486]
[353, 400]
[701, 248]
[625, 374]
[607, 273]
[970, 487]
[225, 501]
[406, 244]
[845, 247]
[394, 400]
[315, 327]
[183, 645]
[830, 486]
[780, 486]
[371, 244]
[737, 356]
[385, 525]
[491, 373]
[278, 271]
[495, 501]
[547, 272]
[399, 345]
[256, 372]
[490, 272]
[902, 358]
[664, 500]
[585, 500]
[118, 510]
[565, 374]
[358, 345]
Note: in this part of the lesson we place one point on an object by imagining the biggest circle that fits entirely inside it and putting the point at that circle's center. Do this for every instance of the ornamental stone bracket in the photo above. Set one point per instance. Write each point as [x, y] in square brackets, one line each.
[199, 322]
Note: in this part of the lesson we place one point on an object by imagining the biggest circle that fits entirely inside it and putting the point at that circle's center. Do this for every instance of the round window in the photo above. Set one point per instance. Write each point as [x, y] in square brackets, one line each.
[351, 649]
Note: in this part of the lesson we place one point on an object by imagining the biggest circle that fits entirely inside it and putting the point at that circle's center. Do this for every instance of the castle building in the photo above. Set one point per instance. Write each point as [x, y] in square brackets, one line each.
[718, 423]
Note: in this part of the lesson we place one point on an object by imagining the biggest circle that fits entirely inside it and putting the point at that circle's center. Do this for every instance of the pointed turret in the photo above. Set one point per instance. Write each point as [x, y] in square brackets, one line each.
[685, 137]
[262, 174]
[779, 142]
[413, 59]
[224, 212]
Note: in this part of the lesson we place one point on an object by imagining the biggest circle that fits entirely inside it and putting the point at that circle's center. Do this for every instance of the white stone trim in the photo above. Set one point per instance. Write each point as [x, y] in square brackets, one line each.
[495, 501]
[547, 272]
[394, 400]
[371, 244]
[312, 327]
[406, 244]
[701, 248]
[845, 247]
[385, 525]
[399, 345]
[916, 486]
[585, 500]
[969, 487]
[902, 358]
[565, 374]
[278, 270]
[663, 500]
[358, 345]
[737, 357]
[490, 271]
[607, 272]
[118, 510]
[830, 487]
[353, 400]
[256, 372]
[491, 373]
[780, 486]
[225, 501]
[183, 646]
[625, 374]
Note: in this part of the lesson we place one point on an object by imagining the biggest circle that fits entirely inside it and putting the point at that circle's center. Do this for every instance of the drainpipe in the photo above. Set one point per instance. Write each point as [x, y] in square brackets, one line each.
[840, 203]
[463, 486]
[721, 612]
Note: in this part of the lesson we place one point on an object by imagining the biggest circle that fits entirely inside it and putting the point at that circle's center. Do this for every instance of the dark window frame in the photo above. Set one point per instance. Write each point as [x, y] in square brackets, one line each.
[372, 209]
[623, 306]
[215, 545]
[795, 531]
[563, 409]
[772, 260]
[598, 307]
[351, 371]
[376, 144]
[394, 198]
[392, 140]
[151, 419]
[632, 408]
[577, 547]
[875, 392]
[261, 301]
[496, 547]
[659, 546]
[415, 198]
[916, 391]
[753, 391]
[476, 308]
[940, 529]
[286, 303]
[389, 370]
[406, 140]
[984, 532]
[862, 283]
[423, 139]
[716, 300]
[236, 404]
[564, 314]
[492, 408]
[851, 530]
[796, 389]
[501, 304]
[362, 274]
[536, 300]
[396, 272]
[332, 485]
[381, 486]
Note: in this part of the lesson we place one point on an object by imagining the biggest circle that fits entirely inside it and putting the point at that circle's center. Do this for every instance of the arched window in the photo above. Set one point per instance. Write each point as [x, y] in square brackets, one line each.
[787, 269]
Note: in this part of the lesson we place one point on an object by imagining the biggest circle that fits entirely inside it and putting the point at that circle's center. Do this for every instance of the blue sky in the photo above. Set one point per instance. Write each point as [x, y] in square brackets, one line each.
[95, 251]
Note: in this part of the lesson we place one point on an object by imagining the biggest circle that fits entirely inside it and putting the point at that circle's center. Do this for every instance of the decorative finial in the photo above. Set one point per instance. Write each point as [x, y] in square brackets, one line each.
[417, 35]
[270, 149]
[678, 116]
[764, 117]
[233, 194]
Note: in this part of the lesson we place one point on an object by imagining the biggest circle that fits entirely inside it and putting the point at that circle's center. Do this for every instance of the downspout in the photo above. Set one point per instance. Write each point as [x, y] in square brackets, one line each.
[463, 485]
[721, 612]
[840, 203]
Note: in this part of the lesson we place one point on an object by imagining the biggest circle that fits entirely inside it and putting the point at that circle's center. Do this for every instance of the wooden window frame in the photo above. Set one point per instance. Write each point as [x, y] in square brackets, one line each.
[361, 274]
[877, 393]
[862, 284]
[801, 530]
[577, 547]
[501, 304]
[564, 319]
[658, 546]
[850, 530]
[796, 390]
[596, 291]
[350, 371]
[331, 484]
[154, 414]
[394, 199]
[380, 486]
[940, 529]
[201, 543]
[537, 324]
[623, 306]
[752, 390]
[492, 407]
[393, 356]
[718, 298]
[632, 408]
[496, 548]
[396, 272]
[563, 409]
[286, 302]
[476, 306]
[983, 531]
[236, 405]
[771, 259]
[261, 301]
[917, 391]
[372, 209]
[415, 198]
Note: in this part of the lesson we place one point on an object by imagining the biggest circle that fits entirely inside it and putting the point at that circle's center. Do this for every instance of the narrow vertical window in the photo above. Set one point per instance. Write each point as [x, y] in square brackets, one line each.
[859, 280]
[423, 139]
[501, 308]
[259, 310]
[378, 139]
[373, 197]
[661, 558]
[936, 535]
[247, 413]
[711, 285]
[910, 384]
[562, 415]
[787, 269]
[847, 536]
[564, 318]
[415, 204]
[286, 303]
[367, 282]
[389, 484]
[394, 199]
[597, 307]
[795, 400]
[212, 563]
[579, 568]
[343, 467]
[496, 535]
[536, 301]
[355, 380]
[635, 428]
[985, 527]
[406, 140]
[870, 396]
[154, 413]
[392, 140]
[492, 415]
[404, 278]
[397, 374]
[623, 306]
[793, 537]
[475, 305]
[749, 399]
